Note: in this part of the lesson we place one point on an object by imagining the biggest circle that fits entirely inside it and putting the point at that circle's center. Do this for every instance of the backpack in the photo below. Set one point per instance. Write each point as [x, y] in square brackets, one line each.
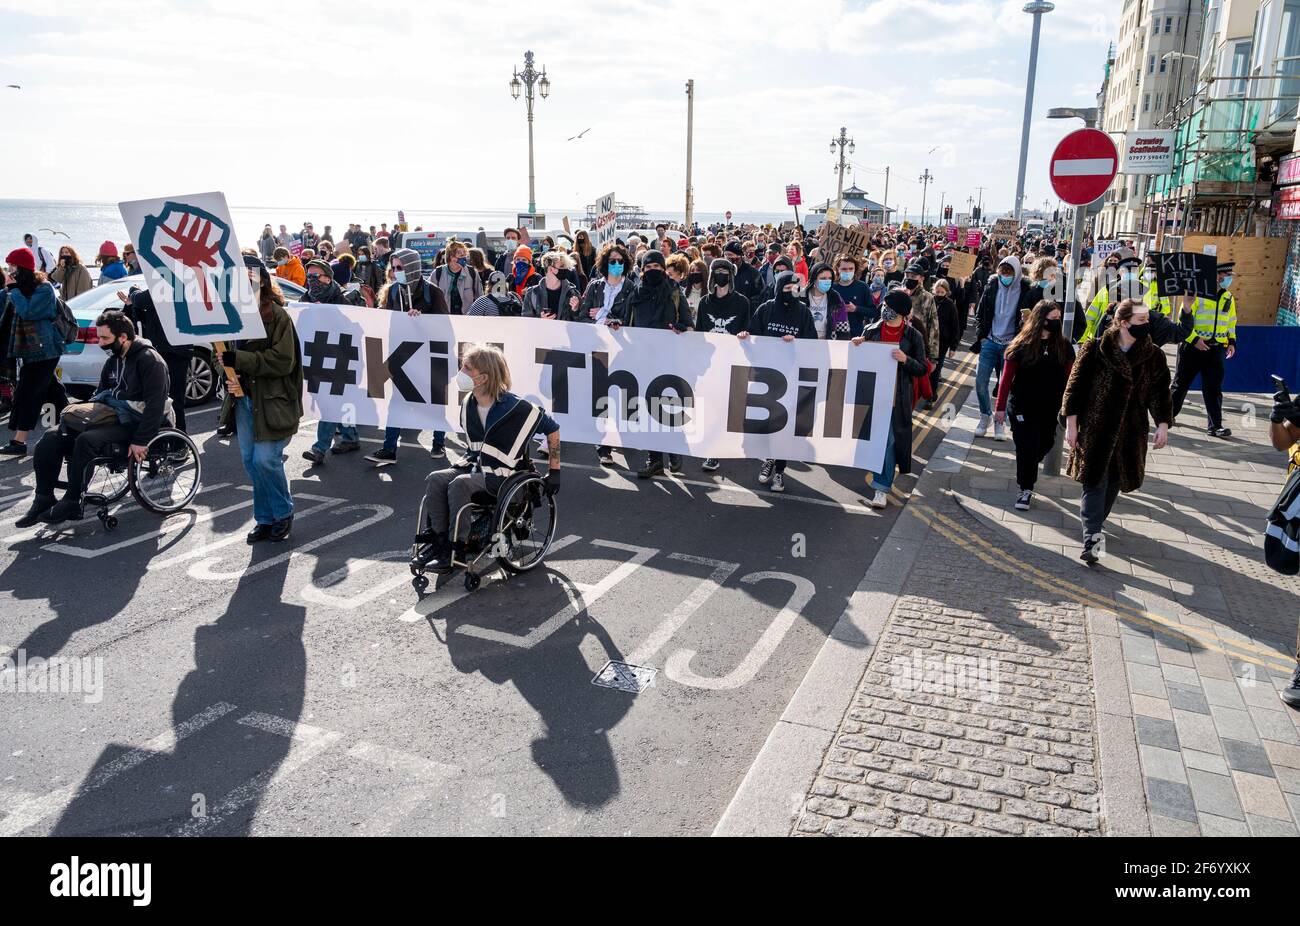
[65, 323]
[508, 309]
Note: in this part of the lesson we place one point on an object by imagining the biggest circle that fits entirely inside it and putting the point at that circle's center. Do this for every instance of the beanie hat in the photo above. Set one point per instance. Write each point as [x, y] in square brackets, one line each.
[22, 257]
[653, 257]
[523, 252]
[108, 249]
[733, 247]
[322, 267]
[899, 301]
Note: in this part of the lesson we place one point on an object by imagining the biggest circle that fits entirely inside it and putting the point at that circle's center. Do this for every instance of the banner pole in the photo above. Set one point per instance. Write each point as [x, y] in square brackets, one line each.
[232, 378]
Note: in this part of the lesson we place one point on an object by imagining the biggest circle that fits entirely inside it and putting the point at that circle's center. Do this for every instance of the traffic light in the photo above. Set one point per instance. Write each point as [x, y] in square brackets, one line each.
[975, 215]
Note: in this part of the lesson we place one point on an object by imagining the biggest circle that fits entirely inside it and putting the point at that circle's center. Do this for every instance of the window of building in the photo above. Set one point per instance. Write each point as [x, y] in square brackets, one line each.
[1151, 64]
[1288, 67]
[1239, 66]
[1146, 102]
[1164, 63]
[1169, 24]
[1160, 102]
[1211, 28]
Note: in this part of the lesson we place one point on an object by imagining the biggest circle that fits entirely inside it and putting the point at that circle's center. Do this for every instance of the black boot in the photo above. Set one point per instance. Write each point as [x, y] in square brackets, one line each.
[40, 505]
[67, 510]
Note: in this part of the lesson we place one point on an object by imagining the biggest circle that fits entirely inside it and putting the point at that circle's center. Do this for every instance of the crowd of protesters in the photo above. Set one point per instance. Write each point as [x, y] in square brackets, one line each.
[739, 281]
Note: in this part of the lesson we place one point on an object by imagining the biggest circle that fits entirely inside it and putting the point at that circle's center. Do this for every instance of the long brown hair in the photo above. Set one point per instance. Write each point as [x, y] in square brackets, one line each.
[1028, 345]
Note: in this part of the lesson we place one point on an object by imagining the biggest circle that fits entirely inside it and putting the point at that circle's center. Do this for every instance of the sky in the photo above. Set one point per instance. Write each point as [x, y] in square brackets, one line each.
[406, 105]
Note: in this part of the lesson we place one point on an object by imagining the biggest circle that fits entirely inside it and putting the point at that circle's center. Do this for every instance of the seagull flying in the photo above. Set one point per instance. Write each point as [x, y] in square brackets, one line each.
[580, 134]
[12, 87]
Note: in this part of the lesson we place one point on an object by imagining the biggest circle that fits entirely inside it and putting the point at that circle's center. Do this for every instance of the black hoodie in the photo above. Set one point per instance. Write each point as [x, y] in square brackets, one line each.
[727, 314]
[785, 313]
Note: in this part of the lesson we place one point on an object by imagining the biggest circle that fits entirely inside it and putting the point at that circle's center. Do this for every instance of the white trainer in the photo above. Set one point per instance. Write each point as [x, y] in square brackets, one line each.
[983, 427]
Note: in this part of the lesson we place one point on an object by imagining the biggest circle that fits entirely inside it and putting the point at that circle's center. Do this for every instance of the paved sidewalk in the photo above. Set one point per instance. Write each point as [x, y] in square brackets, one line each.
[1010, 689]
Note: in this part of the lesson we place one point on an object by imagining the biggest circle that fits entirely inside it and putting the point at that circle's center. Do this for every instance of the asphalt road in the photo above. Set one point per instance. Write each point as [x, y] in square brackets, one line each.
[305, 688]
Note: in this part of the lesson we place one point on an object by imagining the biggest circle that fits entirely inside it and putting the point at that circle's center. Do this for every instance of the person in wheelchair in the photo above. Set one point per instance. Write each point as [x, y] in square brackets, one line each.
[499, 427]
[134, 383]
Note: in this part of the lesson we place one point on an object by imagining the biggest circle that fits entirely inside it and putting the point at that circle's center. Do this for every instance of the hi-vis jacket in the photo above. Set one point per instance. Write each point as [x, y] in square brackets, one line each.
[1107, 296]
[500, 447]
[1216, 319]
[1156, 302]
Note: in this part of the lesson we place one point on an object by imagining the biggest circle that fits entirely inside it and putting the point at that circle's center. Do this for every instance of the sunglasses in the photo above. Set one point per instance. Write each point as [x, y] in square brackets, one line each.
[315, 276]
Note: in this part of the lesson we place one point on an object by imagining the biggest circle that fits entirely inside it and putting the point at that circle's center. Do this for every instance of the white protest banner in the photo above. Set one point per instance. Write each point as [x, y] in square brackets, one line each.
[702, 395]
[193, 268]
[602, 231]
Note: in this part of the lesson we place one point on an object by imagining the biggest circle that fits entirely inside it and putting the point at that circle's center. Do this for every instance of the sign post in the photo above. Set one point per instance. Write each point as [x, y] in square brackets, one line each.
[1082, 167]
[792, 198]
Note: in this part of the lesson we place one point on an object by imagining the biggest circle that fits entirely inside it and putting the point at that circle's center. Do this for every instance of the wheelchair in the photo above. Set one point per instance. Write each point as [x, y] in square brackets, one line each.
[164, 482]
[516, 527]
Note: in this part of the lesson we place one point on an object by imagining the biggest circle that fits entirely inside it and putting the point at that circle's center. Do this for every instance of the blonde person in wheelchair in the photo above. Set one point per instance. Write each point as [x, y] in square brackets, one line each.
[499, 427]
[134, 386]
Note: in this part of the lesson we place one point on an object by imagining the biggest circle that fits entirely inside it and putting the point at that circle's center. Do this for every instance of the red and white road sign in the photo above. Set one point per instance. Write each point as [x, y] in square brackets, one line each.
[1083, 166]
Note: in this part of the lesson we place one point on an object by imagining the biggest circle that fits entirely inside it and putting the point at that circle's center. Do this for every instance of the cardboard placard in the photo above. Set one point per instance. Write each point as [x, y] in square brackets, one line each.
[1179, 273]
[1005, 228]
[961, 266]
[837, 239]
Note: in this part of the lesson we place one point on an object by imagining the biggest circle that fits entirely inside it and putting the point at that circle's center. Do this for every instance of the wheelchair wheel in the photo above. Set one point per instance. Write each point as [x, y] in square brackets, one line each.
[524, 525]
[109, 482]
[168, 478]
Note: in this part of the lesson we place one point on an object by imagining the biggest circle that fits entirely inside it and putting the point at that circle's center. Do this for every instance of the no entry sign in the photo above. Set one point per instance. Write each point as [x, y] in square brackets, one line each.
[1083, 166]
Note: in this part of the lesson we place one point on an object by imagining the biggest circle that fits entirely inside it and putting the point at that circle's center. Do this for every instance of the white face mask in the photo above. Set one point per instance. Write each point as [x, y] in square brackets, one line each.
[399, 276]
[464, 382]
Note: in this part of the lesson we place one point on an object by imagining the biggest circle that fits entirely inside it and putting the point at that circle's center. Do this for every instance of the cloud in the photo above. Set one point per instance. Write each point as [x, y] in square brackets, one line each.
[408, 104]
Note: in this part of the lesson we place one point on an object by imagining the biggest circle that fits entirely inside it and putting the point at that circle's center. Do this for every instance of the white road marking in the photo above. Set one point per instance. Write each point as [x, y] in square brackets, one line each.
[203, 569]
[682, 613]
[678, 666]
[436, 601]
[204, 549]
[31, 812]
[177, 522]
[317, 592]
[306, 743]
[586, 597]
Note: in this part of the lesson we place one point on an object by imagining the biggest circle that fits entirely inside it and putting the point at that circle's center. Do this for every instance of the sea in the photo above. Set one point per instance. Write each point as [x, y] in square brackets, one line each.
[85, 224]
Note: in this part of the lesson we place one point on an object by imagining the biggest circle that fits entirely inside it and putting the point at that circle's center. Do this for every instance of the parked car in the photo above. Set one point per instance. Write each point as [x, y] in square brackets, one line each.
[82, 360]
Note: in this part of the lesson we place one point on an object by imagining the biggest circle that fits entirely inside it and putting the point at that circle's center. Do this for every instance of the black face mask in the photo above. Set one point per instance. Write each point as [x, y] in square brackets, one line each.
[720, 280]
[1052, 326]
[910, 285]
[1139, 331]
[115, 349]
[652, 276]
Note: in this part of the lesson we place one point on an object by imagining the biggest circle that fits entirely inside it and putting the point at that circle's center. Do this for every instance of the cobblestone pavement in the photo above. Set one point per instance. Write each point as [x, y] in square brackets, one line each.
[1016, 691]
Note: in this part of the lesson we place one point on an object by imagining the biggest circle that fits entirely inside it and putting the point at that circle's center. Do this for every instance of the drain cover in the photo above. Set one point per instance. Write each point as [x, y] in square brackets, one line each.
[625, 677]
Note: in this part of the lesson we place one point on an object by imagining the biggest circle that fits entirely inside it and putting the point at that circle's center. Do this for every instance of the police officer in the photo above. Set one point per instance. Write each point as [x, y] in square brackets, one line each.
[1111, 292]
[1212, 341]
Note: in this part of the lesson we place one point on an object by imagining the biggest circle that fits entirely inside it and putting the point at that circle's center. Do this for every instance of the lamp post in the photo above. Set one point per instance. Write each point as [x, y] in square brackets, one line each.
[1036, 9]
[526, 80]
[840, 143]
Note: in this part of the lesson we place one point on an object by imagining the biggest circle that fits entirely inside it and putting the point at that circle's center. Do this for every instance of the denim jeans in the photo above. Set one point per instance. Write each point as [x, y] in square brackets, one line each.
[990, 359]
[264, 463]
[325, 434]
[393, 437]
[1097, 501]
[884, 480]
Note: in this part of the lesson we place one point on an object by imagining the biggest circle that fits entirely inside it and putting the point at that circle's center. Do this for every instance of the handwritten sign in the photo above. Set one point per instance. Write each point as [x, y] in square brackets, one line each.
[1186, 272]
[961, 266]
[839, 239]
[1103, 249]
[1005, 228]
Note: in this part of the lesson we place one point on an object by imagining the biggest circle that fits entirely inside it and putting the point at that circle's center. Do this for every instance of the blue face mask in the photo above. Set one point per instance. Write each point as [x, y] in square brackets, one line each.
[846, 277]
[615, 269]
[1227, 281]
[824, 286]
[1006, 280]
[520, 267]
[1045, 284]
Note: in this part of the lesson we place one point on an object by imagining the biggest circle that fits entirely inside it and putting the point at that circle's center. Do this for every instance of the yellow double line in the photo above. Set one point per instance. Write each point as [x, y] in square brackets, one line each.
[963, 537]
